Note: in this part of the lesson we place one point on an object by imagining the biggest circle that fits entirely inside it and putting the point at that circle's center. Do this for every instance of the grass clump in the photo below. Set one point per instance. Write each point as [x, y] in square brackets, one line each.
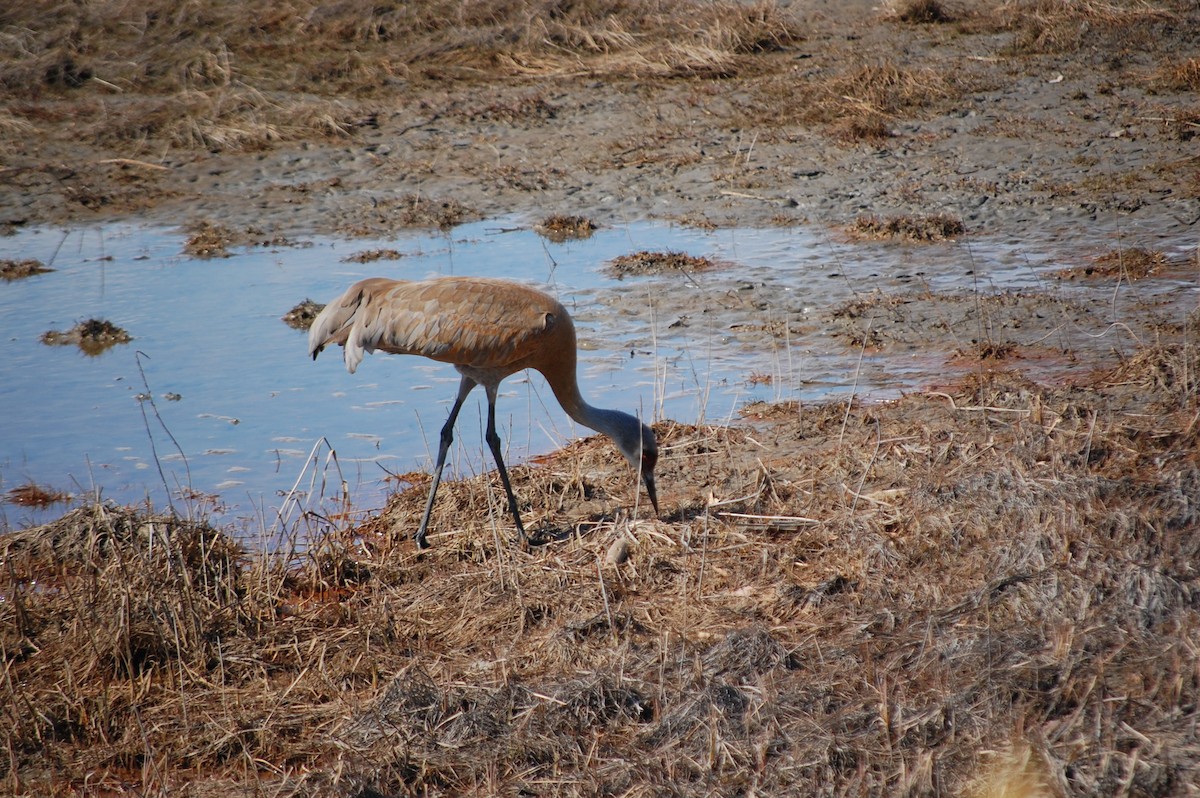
[19, 269]
[646, 262]
[93, 336]
[1129, 264]
[561, 227]
[1054, 26]
[928, 228]
[921, 12]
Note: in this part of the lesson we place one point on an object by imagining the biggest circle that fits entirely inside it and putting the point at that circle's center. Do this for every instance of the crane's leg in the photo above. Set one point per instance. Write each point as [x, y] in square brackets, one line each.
[493, 441]
[447, 438]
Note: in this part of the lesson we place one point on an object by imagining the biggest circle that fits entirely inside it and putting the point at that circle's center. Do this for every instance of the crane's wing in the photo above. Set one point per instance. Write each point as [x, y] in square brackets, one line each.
[475, 322]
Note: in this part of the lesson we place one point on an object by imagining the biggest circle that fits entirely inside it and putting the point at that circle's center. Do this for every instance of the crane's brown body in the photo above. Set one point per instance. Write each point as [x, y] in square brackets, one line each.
[488, 329]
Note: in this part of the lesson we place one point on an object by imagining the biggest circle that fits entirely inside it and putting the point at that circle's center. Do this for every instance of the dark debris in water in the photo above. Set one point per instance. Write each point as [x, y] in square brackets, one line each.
[208, 240]
[371, 255]
[559, 228]
[31, 495]
[932, 227]
[1132, 264]
[301, 317]
[645, 262]
[92, 336]
[17, 269]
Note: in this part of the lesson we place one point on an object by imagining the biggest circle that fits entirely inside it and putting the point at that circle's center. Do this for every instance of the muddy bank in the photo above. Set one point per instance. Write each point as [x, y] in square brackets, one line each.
[1003, 118]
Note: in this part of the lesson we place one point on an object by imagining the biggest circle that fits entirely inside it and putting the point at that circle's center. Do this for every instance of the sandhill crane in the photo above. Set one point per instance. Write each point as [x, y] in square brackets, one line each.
[488, 329]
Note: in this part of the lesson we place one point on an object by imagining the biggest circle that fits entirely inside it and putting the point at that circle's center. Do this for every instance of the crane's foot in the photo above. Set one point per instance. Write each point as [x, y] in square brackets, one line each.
[420, 539]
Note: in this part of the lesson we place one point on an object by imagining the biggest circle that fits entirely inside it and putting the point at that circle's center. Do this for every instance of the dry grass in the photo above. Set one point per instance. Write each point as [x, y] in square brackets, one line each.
[1129, 264]
[209, 240]
[1107, 27]
[358, 46]
[249, 76]
[1178, 74]
[19, 269]
[859, 102]
[92, 336]
[302, 315]
[646, 262]
[933, 227]
[920, 12]
[33, 495]
[561, 227]
[988, 592]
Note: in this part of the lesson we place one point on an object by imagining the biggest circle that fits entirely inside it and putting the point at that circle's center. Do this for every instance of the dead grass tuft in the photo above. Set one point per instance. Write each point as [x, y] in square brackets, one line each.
[93, 336]
[302, 315]
[216, 66]
[867, 126]
[934, 227]
[31, 495]
[642, 263]
[208, 240]
[559, 228]
[860, 103]
[372, 255]
[1107, 27]
[1129, 264]
[921, 12]
[1178, 74]
[19, 269]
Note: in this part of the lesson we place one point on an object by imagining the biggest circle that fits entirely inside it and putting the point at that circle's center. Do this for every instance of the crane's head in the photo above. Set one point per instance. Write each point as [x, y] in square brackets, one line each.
[649, 460]
[640, 448]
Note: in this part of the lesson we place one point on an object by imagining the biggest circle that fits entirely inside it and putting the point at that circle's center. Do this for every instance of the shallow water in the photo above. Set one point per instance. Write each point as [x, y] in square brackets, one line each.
[252, 407]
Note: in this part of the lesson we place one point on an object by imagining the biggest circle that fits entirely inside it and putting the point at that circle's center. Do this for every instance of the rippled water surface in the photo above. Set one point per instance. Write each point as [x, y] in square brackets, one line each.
[237, 407]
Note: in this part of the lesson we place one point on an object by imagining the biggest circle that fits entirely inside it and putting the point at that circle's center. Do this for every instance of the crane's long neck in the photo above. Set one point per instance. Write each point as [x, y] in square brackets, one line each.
[634, 439]
[566, 391]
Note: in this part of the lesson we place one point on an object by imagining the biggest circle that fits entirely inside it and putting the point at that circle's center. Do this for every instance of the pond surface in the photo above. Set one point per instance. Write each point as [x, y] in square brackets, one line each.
[216, 402]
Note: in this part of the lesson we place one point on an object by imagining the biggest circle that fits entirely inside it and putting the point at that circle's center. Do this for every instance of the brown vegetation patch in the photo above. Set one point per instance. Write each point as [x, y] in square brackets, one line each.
[1130, 264]
[988, 351]
[1178, 74]
[559, 228]
[208, 240]
[1108, 28]
[921, 12]
[18, 269]
[637, 264]
[212, 49]
[886, 88]
[861, 101]
[372, 255]
[869, 126]
[92, 336]
[302, 315]
[933, 227]
[31, 495]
